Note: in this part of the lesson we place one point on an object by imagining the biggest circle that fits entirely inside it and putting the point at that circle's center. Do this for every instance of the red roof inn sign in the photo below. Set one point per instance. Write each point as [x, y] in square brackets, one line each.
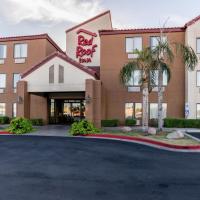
[86, 48]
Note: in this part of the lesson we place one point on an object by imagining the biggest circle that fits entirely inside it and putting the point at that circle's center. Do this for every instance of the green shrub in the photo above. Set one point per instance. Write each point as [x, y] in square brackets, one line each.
[20, 126]
[153, 122]
[130, 122]
[4, 120]
[83, 127]
[37, 122]
[181, 123]
[110, 122]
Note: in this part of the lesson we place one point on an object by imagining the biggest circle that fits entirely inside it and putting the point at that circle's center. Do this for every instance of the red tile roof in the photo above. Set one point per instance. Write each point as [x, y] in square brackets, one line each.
[140, 31]
[65, 58]
[89, 20]
[31, 37]
[192, 21]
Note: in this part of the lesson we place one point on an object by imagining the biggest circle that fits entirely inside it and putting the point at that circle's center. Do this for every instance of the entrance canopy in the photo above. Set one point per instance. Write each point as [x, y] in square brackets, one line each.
[58, 73]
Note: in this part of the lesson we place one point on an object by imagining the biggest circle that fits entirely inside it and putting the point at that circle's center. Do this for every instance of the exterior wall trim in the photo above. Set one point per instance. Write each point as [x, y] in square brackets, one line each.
[141, 31]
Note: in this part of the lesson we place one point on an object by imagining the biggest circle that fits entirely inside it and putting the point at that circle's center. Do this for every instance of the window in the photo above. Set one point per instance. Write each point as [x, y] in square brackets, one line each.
[133, 43]
[198, 111]
[198, 78]
[61, 74]
[154, 110]
[51, 74]
[20, 51]
[133, 110]
[2, 109]
[3, 51]
[14, 110]
[2, 80]
[16, 78]
[52, 109]
[198, 45]
[154, 41]
[154, 78]
[136, 78]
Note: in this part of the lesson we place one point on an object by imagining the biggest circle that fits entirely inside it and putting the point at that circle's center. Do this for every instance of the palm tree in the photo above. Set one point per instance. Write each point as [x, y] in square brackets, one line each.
[163, 53]
[147, 64]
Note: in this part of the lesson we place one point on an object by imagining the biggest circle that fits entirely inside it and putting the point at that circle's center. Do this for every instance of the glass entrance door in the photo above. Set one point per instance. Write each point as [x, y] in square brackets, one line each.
[66, 111]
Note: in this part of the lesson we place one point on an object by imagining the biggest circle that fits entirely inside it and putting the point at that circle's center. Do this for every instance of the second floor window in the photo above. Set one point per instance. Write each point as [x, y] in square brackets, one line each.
[16, 78]
[154, 78]
[3, 50]
[133, 43]
[20, 51]
[198, 45]
[2, 80]
[154, 41]
[136, 78]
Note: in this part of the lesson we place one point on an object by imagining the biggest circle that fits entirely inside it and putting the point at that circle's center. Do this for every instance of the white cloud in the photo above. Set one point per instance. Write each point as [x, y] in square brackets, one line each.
[74, 11]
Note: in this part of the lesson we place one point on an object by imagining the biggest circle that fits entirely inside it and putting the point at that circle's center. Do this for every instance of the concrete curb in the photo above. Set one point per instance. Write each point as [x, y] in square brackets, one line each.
[148, 142]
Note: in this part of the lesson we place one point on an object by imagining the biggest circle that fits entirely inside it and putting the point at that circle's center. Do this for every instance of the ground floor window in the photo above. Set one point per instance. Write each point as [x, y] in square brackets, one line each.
[14, 110]
[154, 110]
[2, 109]
[198, 110]
[133, 110]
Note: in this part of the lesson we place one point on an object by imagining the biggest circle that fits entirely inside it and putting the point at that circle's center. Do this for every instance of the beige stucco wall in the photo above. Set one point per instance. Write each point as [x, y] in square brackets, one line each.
[74, 78]
[192, 91]
[103, 22]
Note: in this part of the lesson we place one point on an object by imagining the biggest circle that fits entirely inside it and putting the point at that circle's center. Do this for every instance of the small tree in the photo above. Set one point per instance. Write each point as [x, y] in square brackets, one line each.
[147, 64]
[163, 53]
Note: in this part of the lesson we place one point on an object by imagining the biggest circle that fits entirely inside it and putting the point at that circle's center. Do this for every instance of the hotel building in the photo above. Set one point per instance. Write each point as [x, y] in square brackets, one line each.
[39, 80]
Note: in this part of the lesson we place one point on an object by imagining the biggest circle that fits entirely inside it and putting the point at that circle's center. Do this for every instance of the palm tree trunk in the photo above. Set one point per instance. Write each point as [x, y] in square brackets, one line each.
[145, 107]
[160, 100]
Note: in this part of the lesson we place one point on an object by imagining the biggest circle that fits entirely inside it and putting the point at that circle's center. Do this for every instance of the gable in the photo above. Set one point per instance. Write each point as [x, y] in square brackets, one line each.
[40, 79]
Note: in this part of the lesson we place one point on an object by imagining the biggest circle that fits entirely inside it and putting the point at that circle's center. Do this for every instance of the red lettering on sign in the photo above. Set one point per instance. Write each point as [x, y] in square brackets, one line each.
[85, 49]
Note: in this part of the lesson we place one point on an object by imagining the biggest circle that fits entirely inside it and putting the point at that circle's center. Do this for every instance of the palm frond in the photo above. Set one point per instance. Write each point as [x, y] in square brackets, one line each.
[127, 71]
[166, 68]
[189, 56]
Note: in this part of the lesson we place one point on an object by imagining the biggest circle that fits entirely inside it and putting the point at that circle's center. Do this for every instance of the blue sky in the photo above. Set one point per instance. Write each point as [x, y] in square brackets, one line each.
[22, 17]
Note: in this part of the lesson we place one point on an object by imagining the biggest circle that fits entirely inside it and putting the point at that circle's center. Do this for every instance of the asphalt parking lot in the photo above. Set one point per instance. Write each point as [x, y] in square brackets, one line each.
[63, 168]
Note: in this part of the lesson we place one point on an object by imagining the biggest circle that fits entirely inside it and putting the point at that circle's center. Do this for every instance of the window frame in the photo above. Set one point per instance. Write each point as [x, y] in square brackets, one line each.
[196, 110]
[13, 109]
[13, 80]
[61, 76]
[131, 52]
[198, 71]
[198, 38]
[133, 107]
[53, 75]
[163, 85]
[5, 80]
[133, 85]
[4, 108]
[5, 45]
[150, 42]
[20, 51]
[157, 108]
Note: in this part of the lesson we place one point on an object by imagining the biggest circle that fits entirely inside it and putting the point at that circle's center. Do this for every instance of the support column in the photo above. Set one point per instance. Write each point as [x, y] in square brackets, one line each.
[93, 101]
[23, 100]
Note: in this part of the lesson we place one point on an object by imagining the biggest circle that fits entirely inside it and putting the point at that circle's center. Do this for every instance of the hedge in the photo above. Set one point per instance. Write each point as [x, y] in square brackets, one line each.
[181, 123]
[4, 120]
[37, 122]
[110, 122]
[130, 122]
